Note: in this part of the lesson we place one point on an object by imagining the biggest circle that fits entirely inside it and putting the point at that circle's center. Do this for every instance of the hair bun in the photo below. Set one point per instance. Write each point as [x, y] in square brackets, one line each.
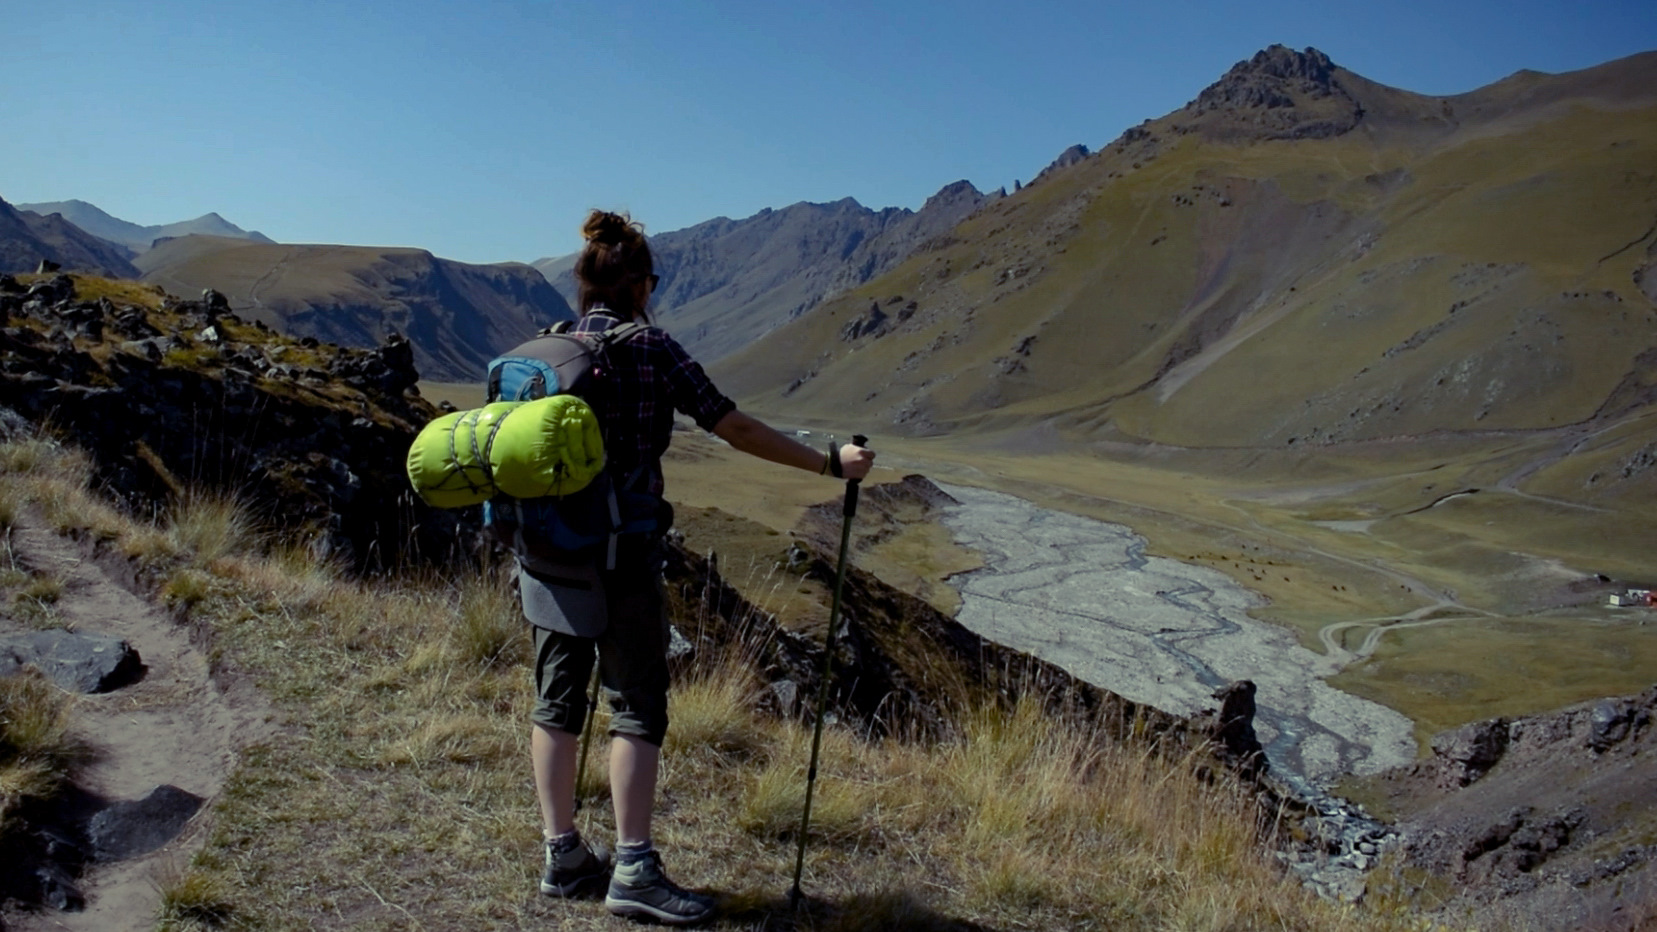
[609, 229]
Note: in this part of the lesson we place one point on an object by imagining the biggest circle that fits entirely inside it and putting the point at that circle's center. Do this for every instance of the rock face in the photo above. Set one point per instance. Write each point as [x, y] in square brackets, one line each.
[80, 663]
[27, 239]
[1278, 94]
[1548, 813]
[190, 395]
[726, 282]
[1468, 752]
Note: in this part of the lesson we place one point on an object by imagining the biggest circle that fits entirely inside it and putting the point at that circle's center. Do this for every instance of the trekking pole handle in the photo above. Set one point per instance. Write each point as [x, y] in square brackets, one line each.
[858, 440]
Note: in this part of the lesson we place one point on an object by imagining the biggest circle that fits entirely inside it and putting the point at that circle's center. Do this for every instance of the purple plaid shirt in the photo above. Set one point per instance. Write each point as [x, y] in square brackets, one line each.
[645, 378]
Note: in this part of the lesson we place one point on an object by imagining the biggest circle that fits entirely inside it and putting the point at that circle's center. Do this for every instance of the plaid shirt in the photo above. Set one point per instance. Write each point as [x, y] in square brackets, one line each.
[645, 378]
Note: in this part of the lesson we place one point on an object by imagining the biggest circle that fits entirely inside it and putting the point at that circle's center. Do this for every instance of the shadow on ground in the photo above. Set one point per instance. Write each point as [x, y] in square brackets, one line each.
[893, 910]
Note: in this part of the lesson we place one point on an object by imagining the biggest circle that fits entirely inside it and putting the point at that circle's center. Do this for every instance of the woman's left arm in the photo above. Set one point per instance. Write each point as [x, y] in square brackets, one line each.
[756, 438]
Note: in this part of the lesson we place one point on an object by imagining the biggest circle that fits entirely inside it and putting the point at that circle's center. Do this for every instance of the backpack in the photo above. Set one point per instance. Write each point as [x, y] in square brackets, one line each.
[565, 529]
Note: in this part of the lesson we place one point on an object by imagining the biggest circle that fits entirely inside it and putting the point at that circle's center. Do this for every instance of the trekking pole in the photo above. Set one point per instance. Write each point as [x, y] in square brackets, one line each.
[586, 737]
[828, 668]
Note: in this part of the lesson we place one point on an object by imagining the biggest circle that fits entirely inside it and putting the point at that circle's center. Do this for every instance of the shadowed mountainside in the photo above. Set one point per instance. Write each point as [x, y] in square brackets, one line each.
[1298, 256]
[27, 237]
[134, 236]
[727, 282]
[457, 316]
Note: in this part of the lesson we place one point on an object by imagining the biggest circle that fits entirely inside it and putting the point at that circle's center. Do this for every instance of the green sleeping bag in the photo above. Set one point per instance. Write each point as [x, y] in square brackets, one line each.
[527, 449]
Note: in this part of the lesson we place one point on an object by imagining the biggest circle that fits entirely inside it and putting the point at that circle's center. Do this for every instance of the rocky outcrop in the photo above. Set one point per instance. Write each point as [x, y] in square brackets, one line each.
[1278, 94]
[1549, 813]
[188, 395]
[1067, 158]
[1467, 753]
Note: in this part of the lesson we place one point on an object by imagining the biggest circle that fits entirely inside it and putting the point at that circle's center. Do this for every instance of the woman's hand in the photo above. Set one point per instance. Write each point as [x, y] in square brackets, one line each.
[856, 461]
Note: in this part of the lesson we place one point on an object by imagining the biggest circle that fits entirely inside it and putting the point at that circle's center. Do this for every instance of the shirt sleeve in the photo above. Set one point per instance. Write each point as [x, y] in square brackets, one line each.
[693, 394]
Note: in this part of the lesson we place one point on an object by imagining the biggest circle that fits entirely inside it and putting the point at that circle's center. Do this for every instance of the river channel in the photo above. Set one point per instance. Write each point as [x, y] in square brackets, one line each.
[1082, 594]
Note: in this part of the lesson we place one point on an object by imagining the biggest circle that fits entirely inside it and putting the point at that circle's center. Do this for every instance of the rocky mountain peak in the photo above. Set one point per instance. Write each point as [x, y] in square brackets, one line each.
[956, 192]
[1278, 94]
[1066, 159]
[1273, 78]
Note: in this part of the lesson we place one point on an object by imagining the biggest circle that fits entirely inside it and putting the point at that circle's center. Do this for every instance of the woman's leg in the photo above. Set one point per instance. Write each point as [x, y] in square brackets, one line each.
[633, 766]
[554, 753]
[563, 666]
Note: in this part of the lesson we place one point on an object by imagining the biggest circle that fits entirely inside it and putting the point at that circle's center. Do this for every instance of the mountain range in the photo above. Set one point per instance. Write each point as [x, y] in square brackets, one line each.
[26, 238]
[1297, 256]
[457, 315]
[725, 283]
[133, 236]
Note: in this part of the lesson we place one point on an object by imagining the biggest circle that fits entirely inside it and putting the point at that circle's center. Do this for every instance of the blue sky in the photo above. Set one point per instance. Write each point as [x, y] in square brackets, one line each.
[483, 131]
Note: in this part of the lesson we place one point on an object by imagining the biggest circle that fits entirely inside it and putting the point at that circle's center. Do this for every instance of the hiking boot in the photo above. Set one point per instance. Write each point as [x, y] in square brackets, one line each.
[568, 871]
[641, 888]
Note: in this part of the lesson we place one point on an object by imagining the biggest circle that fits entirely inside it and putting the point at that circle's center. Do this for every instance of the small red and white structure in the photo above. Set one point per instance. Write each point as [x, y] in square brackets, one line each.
[1644, 598]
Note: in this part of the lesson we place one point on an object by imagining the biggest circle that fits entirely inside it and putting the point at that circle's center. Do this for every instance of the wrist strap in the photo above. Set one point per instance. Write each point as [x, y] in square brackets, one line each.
[834, 462]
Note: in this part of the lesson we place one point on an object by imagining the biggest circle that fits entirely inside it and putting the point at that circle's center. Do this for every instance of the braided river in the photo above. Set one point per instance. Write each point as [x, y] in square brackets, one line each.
[1082, 594]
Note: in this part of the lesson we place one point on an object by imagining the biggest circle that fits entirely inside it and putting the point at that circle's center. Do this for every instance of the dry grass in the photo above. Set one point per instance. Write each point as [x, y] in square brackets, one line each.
[398, 793]
[37, 752]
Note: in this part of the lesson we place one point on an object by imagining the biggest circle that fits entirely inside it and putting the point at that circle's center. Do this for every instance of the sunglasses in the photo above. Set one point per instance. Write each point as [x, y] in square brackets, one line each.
[654, 280]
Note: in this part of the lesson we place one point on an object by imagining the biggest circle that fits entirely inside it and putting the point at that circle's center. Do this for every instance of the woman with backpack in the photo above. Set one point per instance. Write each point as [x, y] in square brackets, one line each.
[647, 376]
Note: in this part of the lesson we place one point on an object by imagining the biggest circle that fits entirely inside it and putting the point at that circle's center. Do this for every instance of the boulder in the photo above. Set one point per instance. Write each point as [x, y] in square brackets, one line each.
[82, 663]
[54, 290]
[134, 827]
[1467, 753]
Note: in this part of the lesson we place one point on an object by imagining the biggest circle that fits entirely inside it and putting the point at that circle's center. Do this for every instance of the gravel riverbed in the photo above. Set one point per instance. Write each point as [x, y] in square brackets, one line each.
[1082, 594]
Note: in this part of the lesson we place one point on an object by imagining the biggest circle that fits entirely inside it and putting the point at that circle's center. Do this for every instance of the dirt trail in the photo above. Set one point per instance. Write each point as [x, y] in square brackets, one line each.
[175, 726]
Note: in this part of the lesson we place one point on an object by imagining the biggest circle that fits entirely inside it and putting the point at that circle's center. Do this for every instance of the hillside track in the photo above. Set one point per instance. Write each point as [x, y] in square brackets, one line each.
[178, 725]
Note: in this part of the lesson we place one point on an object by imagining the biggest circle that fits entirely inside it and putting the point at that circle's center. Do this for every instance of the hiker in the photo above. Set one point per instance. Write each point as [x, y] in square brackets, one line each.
[646, 378]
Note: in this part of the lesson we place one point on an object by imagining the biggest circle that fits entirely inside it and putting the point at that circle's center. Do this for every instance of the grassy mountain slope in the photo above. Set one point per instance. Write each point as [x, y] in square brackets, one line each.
[727, 282]
[136, 237]
[457, 316]
[27, 237]
[1447, 265]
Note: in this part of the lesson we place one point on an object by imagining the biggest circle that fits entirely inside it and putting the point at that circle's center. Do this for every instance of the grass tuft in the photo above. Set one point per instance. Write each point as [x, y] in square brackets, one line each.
[193, 900]
[490, 630]
[37, 751]
[210, 527]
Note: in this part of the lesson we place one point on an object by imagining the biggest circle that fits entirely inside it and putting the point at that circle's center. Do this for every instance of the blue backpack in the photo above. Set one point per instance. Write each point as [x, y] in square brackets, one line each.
[574, 528]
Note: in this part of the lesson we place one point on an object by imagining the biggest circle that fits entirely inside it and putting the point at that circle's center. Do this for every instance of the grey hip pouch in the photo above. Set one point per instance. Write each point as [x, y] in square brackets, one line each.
[567, 598]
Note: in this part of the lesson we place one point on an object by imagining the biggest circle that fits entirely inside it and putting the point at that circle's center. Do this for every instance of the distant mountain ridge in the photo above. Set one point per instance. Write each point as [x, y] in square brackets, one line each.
[27, 237]
[726, 282]
[135, 237]
[457, 316]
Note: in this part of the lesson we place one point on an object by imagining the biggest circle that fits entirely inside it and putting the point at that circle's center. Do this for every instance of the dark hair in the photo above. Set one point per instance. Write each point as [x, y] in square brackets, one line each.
[615, 261]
